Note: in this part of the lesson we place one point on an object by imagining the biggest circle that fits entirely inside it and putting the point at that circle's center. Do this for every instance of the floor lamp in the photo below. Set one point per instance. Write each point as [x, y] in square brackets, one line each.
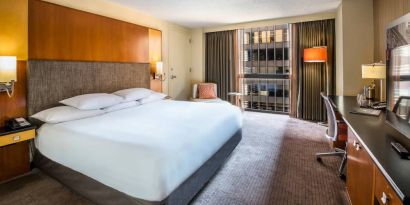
[317, 55]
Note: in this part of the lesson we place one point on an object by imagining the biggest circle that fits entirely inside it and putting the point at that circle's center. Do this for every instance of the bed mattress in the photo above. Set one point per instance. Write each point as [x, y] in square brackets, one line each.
[146, 151]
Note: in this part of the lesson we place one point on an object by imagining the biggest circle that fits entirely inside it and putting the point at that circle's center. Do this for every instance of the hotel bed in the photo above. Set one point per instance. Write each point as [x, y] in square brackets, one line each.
[162, 152]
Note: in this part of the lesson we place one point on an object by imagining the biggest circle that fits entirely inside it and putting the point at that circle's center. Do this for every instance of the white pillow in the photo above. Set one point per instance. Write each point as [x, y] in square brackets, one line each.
[121, 106]
[152, 98]
[92, 101]
[64, 114]
[133, 94]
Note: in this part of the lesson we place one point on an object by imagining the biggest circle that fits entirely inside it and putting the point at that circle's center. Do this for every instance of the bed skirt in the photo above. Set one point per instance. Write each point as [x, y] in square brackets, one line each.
[102, 194]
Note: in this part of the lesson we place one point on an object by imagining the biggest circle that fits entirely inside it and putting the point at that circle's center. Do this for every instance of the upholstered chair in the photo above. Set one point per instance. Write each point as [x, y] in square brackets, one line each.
[196, 98]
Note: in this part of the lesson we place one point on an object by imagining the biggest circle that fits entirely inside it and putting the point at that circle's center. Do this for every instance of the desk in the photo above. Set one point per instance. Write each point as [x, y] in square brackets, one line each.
[373, 135]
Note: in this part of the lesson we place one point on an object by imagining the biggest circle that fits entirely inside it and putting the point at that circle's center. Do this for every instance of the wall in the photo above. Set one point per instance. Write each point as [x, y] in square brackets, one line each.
[254, 24]
[356, 43]
[13, 24]
[116, 11]
[385, 11]
[198, 55]
[155, 48]
[198, 37]
[339, 51]
[13, 41]
[368, 18]
[61, 33]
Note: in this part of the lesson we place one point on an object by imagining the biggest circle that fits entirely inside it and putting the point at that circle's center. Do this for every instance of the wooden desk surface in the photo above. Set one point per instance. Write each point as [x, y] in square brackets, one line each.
[375, 136]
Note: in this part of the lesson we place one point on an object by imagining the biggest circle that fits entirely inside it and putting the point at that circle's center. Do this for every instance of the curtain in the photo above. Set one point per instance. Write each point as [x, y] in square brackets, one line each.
[309, 79]
[220, 61]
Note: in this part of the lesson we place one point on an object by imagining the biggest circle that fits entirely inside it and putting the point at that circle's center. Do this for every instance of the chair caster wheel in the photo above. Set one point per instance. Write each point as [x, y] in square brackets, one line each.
[342, 177]
[319, 159]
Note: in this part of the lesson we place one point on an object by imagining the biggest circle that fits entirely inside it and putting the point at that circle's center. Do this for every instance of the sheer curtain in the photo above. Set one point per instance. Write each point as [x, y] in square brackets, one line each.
[221, 61]
[309, 79]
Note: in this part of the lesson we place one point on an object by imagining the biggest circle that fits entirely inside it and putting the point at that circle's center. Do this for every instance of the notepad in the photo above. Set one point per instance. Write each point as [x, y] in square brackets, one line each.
[366, 111]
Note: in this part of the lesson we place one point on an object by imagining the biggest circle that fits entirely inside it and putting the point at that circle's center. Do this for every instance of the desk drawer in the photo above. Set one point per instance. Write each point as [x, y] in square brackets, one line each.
[383, 191]
[17, 137]
[360, 167]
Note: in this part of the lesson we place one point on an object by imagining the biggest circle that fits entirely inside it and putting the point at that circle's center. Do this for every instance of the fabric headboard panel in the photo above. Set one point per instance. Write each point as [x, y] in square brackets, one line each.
[52, 81]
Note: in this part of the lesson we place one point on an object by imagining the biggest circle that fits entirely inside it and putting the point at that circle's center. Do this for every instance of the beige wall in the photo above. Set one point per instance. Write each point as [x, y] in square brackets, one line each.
[254, 24]
[198, 56]
[116, 11]
[356, 42]
[339, 51]
[14, 29]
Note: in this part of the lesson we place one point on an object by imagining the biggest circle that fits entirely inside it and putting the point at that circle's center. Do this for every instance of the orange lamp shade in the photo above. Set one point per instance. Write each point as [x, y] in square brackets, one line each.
[317, 54]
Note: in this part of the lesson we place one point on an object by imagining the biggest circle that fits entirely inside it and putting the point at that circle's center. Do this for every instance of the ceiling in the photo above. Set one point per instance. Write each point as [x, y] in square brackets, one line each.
[207, 13]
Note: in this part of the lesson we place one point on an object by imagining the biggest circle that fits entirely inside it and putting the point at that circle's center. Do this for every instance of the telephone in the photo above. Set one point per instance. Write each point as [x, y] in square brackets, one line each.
[17, 123]
[379, 105]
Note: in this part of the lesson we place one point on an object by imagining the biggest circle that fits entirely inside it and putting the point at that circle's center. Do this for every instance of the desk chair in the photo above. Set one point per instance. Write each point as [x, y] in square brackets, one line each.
[332, 133]
[402, 107]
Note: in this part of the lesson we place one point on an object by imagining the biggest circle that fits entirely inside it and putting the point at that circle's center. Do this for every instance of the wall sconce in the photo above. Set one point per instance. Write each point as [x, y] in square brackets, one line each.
[8, 74]
[159, 72]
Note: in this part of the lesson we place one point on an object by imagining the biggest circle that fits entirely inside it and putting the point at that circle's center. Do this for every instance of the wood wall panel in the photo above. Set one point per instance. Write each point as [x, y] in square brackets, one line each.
[384, 12]
[62, 33]
[16, 105]
[155, 54]
[155, 47]
[156, 85]
[13, 24]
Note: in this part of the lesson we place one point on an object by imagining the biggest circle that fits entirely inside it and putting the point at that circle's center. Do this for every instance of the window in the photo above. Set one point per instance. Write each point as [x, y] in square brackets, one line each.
[264, 72]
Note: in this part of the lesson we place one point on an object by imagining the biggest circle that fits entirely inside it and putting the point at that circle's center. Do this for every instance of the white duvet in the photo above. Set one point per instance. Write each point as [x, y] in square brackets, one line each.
[145, 151]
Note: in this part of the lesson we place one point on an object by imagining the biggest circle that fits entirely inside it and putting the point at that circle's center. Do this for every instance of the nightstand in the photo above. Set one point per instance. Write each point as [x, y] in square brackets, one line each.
[156, 85]
[14, 152]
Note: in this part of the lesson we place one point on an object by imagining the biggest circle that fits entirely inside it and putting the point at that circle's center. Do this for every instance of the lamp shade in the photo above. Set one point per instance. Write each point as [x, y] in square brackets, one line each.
[374, 71]
[8, 69]
[316, 54]
[158, 68]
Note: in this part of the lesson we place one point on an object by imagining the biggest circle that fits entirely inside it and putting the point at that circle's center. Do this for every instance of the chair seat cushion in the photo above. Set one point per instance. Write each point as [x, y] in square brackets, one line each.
[216, 100]
[206, 91]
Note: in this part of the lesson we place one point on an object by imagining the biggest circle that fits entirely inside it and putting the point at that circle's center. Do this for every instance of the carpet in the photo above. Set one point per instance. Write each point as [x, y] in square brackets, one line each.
[273, 164]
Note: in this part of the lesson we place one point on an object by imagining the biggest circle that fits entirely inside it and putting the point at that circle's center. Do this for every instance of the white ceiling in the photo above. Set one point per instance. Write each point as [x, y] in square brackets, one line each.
[206, 13]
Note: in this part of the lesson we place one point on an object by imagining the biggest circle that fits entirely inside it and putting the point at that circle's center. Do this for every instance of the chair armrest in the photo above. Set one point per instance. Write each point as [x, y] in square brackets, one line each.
[195, 91]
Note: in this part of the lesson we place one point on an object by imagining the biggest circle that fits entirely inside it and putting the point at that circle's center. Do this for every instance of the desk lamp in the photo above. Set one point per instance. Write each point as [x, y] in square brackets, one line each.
[374, 71]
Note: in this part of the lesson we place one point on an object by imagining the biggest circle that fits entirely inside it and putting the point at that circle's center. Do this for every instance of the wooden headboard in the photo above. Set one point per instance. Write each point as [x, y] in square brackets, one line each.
[49, 82]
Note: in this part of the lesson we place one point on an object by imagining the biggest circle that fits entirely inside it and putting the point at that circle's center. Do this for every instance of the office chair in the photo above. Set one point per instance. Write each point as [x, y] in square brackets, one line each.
[332, 133]
[402, 107]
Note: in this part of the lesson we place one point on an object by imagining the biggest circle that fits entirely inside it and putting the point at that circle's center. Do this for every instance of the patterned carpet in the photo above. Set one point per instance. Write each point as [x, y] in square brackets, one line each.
[274, 164]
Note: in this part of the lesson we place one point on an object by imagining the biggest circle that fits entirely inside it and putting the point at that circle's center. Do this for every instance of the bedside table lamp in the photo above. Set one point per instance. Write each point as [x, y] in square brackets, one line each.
[375, 71]
[8, 74]
[159, 71]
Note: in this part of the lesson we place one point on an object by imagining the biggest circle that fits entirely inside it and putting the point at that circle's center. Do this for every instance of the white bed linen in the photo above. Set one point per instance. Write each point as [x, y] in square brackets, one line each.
[145, 151]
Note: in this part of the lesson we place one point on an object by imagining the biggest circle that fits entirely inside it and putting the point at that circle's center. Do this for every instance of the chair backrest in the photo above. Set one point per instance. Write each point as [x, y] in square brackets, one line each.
[195, 90]
[332, 131]
[402, 107]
